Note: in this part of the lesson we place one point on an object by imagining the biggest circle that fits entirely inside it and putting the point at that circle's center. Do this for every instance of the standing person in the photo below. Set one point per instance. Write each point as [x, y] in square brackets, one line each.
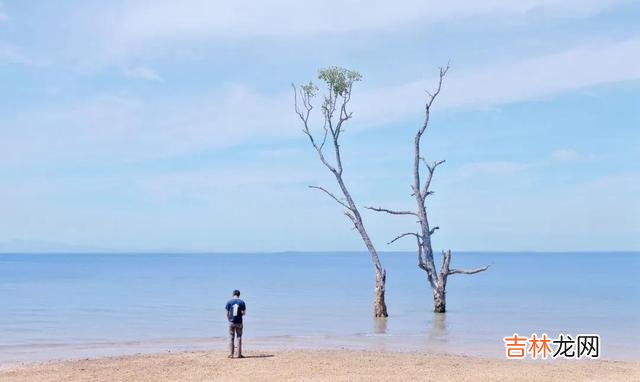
[235, 310]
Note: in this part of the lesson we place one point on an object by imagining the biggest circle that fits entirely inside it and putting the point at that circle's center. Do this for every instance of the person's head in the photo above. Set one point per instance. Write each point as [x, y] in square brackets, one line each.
[236, 293]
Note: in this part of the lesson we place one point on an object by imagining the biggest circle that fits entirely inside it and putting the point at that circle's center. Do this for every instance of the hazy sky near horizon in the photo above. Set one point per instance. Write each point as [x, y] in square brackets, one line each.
[142, 125]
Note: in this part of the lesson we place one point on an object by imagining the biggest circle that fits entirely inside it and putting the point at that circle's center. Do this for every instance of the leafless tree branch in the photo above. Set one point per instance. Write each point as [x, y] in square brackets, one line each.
[401, 236]
[332, 196]
[392, 212]
[304, 117]
[468, 271]
[427, 183]
[444, 269]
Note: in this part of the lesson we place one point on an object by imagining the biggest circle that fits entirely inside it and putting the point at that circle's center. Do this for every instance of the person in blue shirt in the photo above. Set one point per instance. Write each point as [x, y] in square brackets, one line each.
[235, 310]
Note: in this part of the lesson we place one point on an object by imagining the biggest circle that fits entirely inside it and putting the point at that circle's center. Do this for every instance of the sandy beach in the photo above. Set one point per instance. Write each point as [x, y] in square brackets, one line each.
[340, 365]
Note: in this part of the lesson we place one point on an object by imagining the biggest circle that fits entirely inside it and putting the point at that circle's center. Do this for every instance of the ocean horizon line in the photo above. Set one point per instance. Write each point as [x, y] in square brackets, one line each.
[304, 252]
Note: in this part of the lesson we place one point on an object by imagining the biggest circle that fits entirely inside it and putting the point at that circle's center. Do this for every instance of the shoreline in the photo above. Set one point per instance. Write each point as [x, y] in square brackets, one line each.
[16, 355]
[317, 365]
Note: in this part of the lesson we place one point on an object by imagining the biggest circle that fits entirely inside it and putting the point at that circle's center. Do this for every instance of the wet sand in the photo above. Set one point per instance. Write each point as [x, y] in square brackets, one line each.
[334, 365]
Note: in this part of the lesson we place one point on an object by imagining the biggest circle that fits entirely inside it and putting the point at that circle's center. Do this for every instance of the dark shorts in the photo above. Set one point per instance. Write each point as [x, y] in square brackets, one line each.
[235, 329]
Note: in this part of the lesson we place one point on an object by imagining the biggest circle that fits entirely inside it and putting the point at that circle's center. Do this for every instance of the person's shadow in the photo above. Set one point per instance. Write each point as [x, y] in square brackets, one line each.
[259, 356]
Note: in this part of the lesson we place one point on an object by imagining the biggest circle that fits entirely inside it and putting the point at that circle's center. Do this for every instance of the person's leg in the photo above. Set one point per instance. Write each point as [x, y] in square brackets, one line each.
[239, 333]
[231, 340]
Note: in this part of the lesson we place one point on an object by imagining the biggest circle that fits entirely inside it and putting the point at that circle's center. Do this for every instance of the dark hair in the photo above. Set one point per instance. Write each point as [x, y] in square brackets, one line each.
[236, 293]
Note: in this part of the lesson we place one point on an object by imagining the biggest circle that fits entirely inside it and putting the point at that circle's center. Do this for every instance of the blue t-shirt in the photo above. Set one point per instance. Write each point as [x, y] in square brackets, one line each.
[235, 307]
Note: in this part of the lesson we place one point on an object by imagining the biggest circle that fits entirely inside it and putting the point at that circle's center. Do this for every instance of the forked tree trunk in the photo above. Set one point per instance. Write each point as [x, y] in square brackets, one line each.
[421, 190]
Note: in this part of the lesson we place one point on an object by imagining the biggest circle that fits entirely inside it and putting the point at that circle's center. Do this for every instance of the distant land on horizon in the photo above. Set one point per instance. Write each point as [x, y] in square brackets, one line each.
[37, 246]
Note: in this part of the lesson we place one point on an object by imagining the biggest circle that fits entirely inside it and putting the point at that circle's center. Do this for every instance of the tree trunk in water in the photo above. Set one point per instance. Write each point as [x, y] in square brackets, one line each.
[339, 82]
[379, 305]
[439, 300]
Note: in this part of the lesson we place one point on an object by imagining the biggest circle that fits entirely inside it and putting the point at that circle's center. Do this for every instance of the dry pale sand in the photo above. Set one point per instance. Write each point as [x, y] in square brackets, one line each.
[340, 365]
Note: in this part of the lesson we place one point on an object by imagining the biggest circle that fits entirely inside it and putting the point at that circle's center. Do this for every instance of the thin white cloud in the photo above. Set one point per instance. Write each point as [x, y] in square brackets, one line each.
[3, 14]
[118, 128]
[144, 21]
[91, 128]
[570, 156]
[563, 216]
[279, 153]
[203, 184]
[529, 78]
[11, 54]
[581, 67]
[489, 169]
[143, 73]
[117, 34]
[8, 54]
[122, 128]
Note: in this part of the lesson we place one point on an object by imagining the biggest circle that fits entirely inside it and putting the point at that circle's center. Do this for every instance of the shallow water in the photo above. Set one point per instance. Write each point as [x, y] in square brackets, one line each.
[52, 305]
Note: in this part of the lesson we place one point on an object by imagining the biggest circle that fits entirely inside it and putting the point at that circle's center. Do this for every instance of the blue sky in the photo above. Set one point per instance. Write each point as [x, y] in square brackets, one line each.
[144, 125]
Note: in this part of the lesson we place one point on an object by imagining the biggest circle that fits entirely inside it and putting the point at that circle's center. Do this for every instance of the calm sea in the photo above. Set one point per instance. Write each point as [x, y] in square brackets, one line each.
[75, 305]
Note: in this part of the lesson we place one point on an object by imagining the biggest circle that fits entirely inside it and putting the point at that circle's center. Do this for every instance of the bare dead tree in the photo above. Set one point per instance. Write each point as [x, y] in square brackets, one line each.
[421, 191]
[339, 82]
